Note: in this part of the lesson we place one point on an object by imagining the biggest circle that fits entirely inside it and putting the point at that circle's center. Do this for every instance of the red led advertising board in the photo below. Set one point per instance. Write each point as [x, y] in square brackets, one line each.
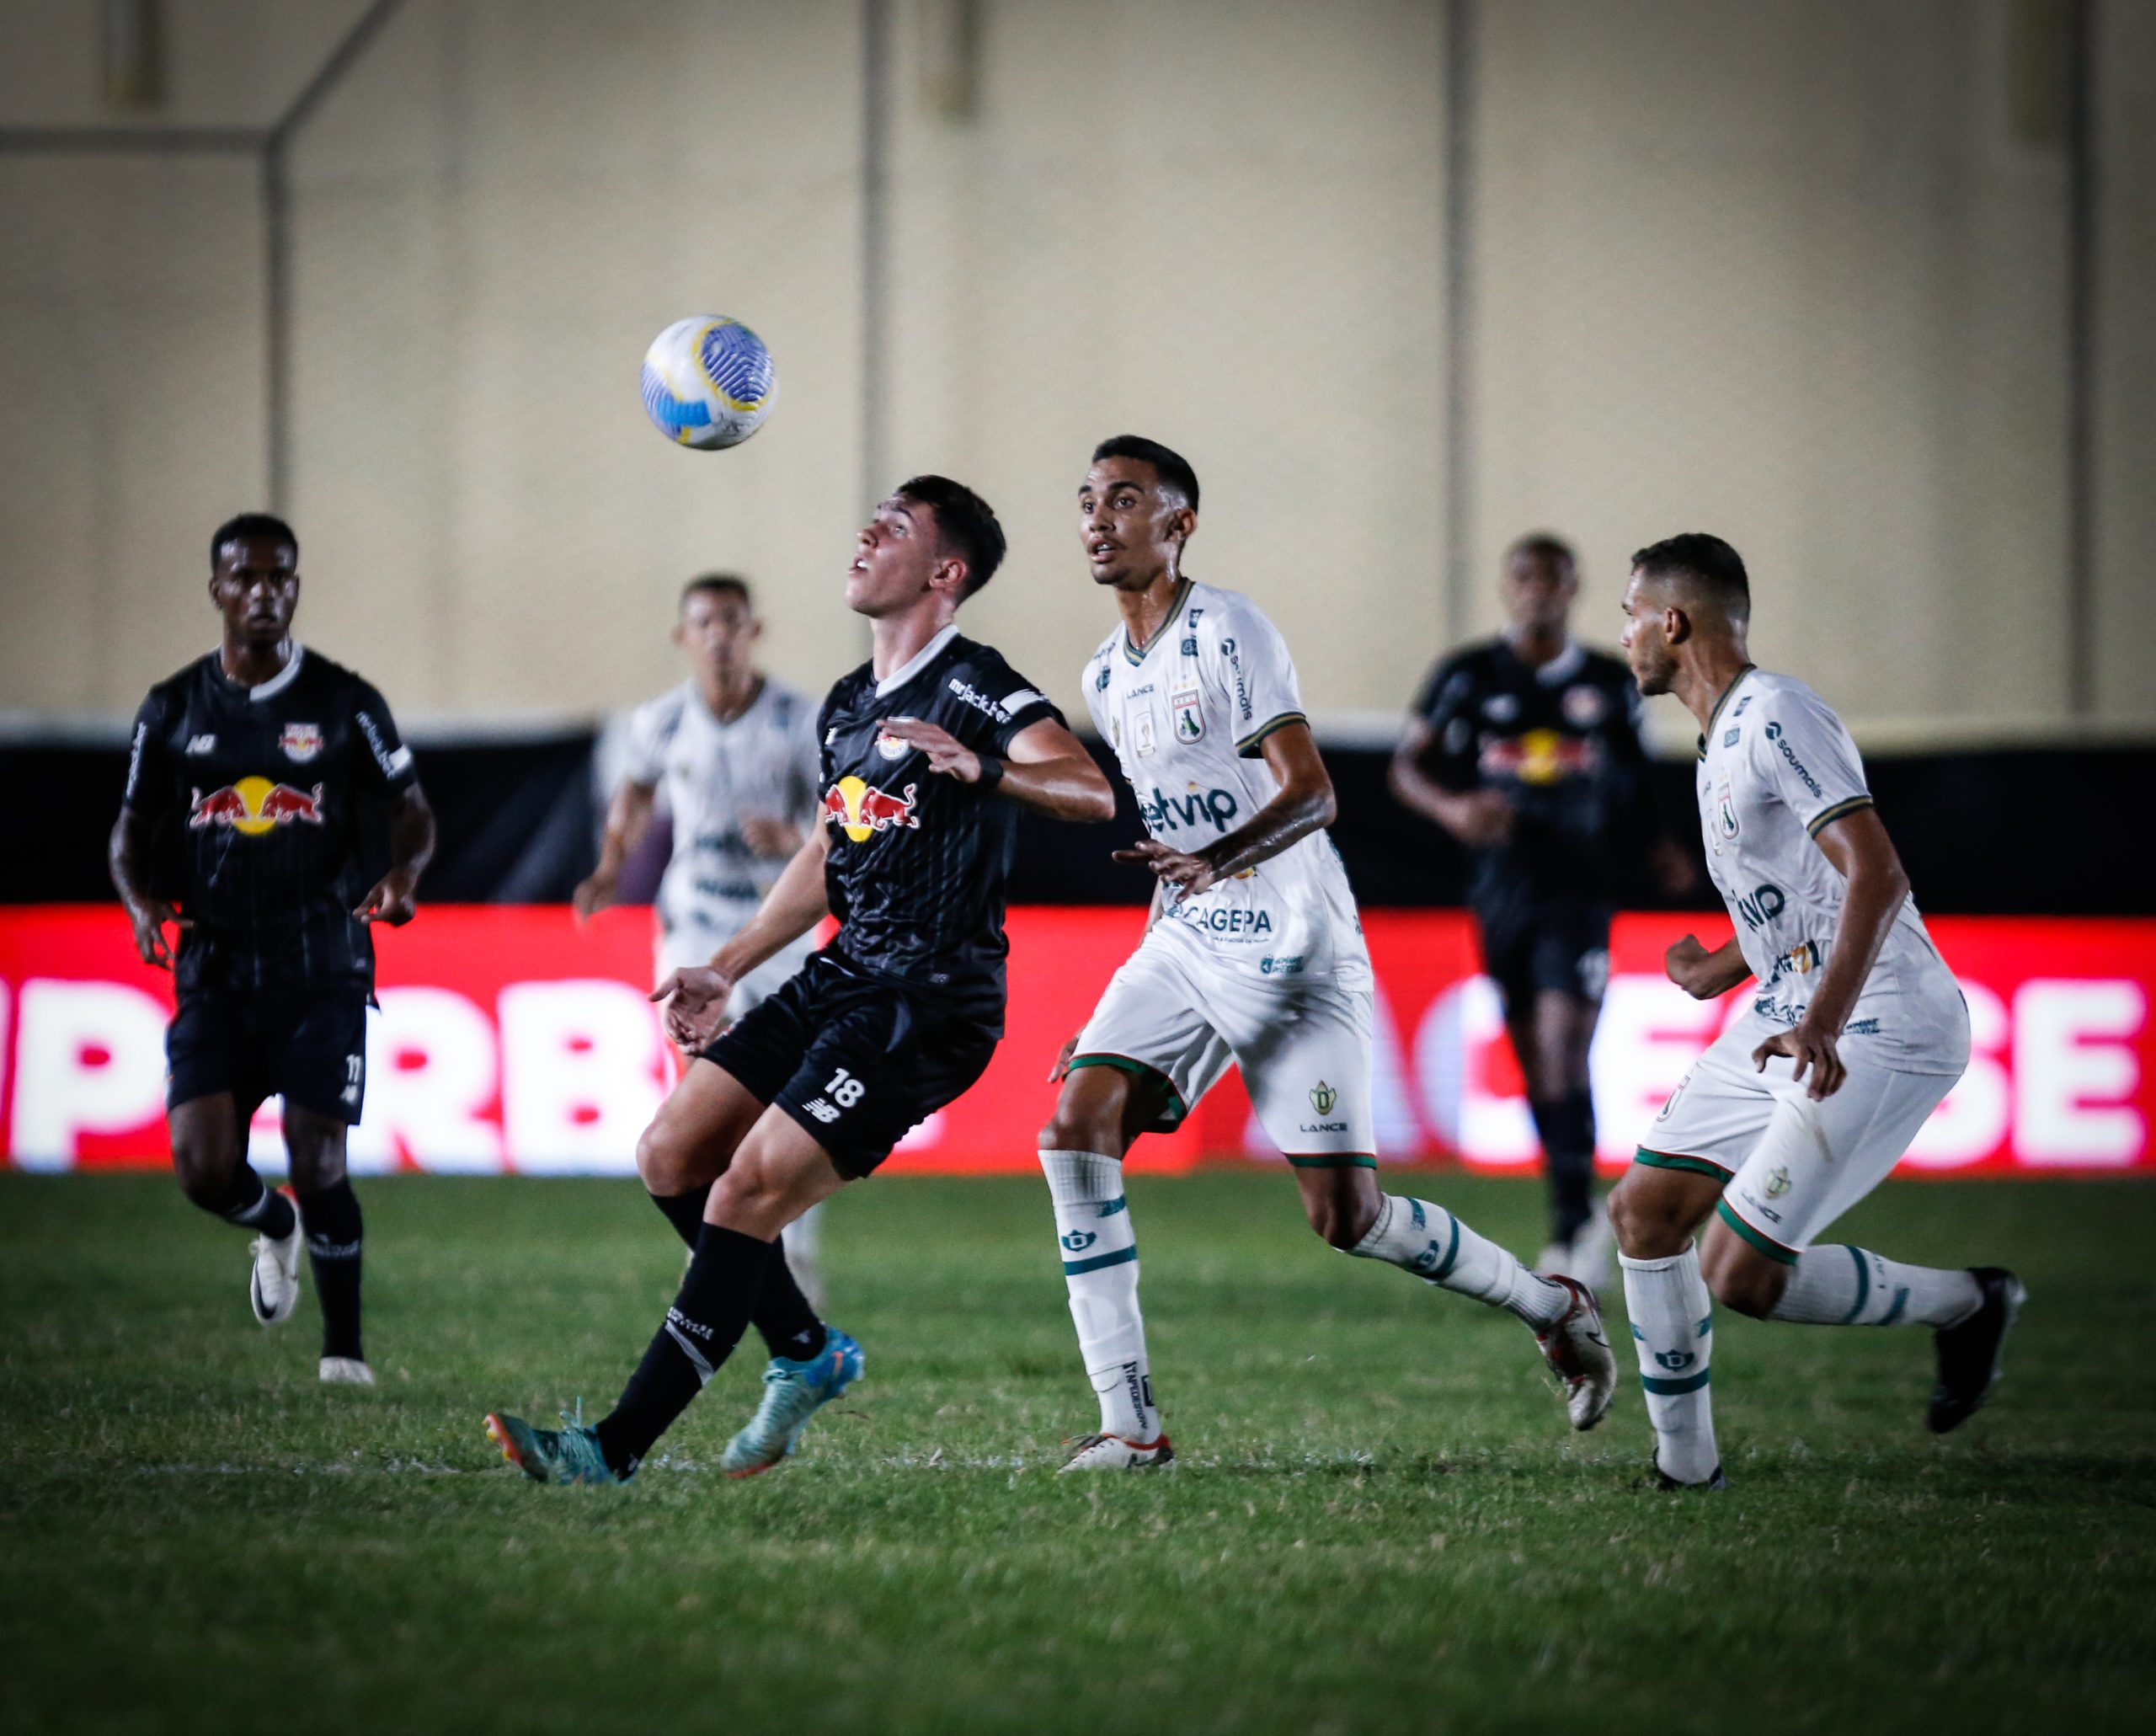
[516, 1039]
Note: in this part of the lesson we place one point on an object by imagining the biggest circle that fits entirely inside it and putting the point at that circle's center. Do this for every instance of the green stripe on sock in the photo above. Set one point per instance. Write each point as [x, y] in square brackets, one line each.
[1901, 1301]
[1071, 1269]
[1668, 1160]
[1452, 1252]
[1862, 1285]
[1773, 1250]
[1666, 1389]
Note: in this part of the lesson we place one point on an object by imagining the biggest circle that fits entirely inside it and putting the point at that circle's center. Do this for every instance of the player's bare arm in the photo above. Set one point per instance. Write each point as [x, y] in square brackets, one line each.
[392, 899]
[1864, 856]
[1049, 770]
[696, 998]
[1305, 804]
[128, 857]
[1480, 819]
[628, 817]
[1702, 975]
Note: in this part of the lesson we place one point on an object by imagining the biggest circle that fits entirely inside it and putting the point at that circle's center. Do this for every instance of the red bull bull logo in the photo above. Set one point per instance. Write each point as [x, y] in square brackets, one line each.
[1539, 756]
[254, 806]
[863, 810]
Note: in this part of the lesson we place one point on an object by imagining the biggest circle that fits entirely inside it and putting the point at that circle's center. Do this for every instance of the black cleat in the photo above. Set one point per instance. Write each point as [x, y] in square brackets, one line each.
[1663, 1480]
[1968, 1354]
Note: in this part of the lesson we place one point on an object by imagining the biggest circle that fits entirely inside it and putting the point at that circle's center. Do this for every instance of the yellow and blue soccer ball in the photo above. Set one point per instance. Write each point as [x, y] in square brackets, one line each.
[708, 383]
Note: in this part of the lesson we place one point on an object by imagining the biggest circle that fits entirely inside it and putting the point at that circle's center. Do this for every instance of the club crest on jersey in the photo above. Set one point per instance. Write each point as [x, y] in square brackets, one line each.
[301, 741]
[1323, 1096]
[1584, 706]
[1725, 817]
[862, 810]
[1189, 720]
[890, 746]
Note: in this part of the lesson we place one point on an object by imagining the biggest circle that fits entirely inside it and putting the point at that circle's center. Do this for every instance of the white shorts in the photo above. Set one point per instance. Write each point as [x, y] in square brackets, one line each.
[1792, 1165]
[1303, 1044]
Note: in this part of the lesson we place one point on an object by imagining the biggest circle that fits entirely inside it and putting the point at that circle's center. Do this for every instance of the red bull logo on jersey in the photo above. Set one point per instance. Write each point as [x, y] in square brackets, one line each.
[1538, 756]
[862, 810]
[253, 806]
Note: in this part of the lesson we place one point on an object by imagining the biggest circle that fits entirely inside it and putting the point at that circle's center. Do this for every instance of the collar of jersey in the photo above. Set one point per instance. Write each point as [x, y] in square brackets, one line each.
[275, 685]
[913, 664]
[1137, 655]
[1714, 715]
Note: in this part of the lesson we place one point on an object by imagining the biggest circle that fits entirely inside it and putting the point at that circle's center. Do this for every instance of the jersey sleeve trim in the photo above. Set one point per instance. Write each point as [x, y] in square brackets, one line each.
[1828, 816]
[1247, 747]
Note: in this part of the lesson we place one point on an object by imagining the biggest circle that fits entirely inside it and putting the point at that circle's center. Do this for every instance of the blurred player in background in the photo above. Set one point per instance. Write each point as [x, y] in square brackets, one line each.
[1253, 956]
[734, 754]
[244, 778]
[928, 751]
[1526, 748]
[1807, 1101]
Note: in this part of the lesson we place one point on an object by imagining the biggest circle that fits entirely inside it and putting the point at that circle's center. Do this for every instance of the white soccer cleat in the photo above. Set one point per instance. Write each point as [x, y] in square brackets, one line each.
[345, 1371]
[1111, 1452]
[273, 1287]
[1577, 1351]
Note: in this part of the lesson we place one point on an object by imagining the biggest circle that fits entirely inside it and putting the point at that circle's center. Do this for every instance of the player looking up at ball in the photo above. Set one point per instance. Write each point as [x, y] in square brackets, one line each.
[928, 751]
[1808, 1098]
[1252, 956]
[735, 754]
[244, 780]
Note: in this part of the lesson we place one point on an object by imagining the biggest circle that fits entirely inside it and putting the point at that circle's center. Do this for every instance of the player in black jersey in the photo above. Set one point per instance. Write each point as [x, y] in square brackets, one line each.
[244, 779]
[929, 750]
[1526, 748]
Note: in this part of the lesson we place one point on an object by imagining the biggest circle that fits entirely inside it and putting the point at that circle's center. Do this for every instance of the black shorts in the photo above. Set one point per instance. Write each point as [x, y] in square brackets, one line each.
[858, 1061]
[1556, 944]
[312, 1052]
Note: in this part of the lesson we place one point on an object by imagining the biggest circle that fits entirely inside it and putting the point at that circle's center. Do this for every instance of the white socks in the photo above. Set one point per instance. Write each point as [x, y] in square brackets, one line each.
[1673, 1323]
[1100, 1266]
[1431, 1243]
[1839, 1286]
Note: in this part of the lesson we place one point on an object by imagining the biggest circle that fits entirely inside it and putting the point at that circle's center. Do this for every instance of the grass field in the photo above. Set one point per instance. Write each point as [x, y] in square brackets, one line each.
[1378, 1523]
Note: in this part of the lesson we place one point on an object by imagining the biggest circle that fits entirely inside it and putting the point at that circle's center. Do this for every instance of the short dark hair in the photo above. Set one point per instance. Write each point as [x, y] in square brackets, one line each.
[250, 527]
[1545, 543]
[1172, 467]
[724, 584]
[1708, 561]
[965, 523]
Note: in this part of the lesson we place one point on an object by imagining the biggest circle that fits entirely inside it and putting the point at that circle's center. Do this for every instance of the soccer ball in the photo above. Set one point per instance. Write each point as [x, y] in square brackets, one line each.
[708, 383]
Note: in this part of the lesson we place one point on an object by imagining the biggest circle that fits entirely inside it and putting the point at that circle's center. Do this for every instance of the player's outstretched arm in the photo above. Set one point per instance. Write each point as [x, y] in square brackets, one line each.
[128, 856]
[628, 817]
[392, 899]
[1048, 769]
[1479, 818]
[1864, 856]
[696, 998]
[1304, 805]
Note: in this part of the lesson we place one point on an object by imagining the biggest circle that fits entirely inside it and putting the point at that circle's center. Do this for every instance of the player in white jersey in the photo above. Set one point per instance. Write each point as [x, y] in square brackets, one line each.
[1855, 1032]
[1253, 956]
[734, 755]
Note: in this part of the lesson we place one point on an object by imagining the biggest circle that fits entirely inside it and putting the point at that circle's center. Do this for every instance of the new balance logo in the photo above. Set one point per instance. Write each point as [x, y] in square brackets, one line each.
[823, 1112]
[202, 744]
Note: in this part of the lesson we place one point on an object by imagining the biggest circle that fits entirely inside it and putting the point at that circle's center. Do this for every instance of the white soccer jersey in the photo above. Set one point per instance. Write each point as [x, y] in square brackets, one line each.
[713, 775]
[1185, 713]
[1775, 767]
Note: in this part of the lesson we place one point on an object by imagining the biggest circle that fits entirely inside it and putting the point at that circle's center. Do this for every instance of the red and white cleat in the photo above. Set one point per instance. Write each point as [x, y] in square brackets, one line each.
[1577, 1351]
[1111, 1452]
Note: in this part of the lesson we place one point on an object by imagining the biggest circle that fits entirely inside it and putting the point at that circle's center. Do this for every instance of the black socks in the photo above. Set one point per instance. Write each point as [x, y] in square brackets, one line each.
[1566, 1126]
[253, 1206]
[783, 1319]
[333, 1236]
[701, 1329]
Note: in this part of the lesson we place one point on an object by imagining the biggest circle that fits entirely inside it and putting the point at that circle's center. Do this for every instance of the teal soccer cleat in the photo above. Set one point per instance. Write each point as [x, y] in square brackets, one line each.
[569, 1454]
[794, 1392]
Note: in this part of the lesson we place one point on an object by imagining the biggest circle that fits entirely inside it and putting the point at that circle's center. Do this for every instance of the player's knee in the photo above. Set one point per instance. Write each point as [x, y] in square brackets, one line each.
[1071, 1129]
[1648, 1222]
[1342, 1214]
[661, 1159]
[1746, 1287]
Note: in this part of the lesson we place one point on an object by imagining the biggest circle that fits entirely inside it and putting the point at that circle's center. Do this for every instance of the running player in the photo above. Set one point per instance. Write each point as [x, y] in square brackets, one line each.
[1526, 748]
[1855, 1032]
[1254, 955]
[735, 754]
[243, 784]
[929, 749]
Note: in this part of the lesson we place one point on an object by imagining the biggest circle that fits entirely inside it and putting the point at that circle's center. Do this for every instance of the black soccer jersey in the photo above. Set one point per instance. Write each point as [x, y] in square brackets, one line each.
[254, 791]
[918, 860]
[1562, 741]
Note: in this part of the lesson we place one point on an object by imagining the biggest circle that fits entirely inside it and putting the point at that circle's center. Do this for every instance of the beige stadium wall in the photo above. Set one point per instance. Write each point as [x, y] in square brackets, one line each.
[1783, 269]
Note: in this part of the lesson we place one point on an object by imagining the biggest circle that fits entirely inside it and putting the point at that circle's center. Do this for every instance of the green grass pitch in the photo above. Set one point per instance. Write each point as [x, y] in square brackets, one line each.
[1380, 1522]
